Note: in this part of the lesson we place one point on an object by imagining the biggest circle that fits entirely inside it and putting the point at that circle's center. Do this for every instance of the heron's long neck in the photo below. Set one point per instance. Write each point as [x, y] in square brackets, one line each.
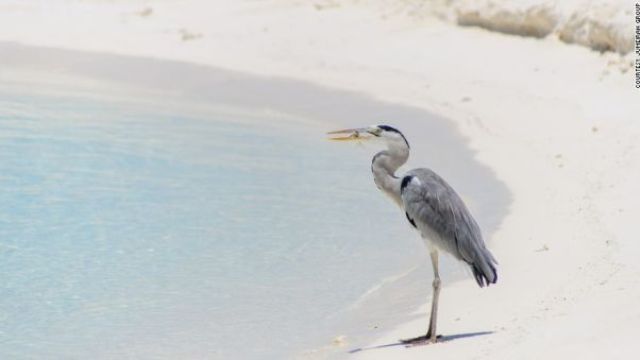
[384, 166]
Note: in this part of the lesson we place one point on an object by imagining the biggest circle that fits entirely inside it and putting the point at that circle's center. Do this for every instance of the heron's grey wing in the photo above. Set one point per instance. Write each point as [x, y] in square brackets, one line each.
[436, 210]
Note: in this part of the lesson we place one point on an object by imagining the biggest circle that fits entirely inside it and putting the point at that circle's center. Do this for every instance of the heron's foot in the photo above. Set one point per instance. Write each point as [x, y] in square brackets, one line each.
[421, 340]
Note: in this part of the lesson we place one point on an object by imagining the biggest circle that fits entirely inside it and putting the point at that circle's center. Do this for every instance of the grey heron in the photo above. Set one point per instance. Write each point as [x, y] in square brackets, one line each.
[432, 207]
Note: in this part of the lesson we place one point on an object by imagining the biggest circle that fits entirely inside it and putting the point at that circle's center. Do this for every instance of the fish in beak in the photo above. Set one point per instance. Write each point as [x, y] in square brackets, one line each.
[350, 134]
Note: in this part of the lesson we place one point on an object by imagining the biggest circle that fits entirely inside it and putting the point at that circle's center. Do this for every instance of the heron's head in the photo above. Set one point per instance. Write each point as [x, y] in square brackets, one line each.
[390, 135]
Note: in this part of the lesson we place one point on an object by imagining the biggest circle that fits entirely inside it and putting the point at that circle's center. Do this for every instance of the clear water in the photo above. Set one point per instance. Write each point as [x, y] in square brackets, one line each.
[131, 233]
[135, 229]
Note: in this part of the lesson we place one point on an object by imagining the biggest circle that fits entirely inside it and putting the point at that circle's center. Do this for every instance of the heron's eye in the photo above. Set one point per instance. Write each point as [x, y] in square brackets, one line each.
[376, 132]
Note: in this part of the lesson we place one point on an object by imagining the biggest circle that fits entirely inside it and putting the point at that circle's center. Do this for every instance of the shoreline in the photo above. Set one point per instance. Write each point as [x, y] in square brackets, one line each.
[135, 81]
[555, 122]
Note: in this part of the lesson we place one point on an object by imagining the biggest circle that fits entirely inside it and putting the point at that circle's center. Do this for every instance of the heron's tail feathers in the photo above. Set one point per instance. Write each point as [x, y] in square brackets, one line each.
[484, 269]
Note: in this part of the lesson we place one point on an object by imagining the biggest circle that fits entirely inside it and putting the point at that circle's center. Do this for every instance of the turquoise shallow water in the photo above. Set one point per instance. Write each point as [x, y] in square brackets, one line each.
[132, 233]
[133, 226]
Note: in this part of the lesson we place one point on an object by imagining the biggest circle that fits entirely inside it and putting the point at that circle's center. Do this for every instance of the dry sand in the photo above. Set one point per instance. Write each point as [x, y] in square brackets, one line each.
[557, 123]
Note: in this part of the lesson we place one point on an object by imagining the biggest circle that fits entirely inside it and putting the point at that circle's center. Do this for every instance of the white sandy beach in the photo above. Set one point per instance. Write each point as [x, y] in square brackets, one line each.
[557, 122]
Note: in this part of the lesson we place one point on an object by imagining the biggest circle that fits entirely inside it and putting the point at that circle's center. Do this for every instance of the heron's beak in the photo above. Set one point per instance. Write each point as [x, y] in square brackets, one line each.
[349, 134]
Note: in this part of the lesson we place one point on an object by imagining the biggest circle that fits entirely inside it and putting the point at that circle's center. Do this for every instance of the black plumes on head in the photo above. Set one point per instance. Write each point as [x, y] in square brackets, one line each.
[392, 129]
[389, 128]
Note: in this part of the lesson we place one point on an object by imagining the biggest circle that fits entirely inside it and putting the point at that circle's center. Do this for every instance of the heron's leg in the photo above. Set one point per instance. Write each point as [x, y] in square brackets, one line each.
[431, 336]
[434, 300]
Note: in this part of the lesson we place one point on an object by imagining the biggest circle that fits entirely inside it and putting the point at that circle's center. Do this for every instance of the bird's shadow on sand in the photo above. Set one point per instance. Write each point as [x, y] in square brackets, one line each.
[443, 339]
